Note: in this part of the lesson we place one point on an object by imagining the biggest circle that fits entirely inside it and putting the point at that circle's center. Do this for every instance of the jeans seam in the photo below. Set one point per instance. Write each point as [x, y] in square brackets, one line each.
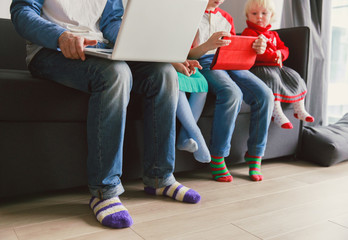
[100, 154]
[155, 133]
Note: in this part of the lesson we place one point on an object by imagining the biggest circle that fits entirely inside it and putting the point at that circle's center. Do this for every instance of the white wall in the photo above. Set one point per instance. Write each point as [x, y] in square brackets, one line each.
[236, 9]
[5, 8]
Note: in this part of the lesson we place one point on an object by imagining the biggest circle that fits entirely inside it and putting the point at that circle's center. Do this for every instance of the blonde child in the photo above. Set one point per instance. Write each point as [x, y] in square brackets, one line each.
[286, 84]
[188, 111]
[231, 87]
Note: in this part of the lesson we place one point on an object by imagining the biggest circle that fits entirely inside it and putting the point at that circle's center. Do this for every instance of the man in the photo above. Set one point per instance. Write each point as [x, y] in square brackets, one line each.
[57, 32]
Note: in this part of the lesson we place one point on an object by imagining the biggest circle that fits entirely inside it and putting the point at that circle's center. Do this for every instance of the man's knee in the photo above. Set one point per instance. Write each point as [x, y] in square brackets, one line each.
[165, 79]
[167, 74]
[114, 75]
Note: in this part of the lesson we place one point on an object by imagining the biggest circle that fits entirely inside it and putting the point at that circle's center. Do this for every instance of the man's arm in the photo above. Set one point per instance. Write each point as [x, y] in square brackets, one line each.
[111, 19]
[26, 17]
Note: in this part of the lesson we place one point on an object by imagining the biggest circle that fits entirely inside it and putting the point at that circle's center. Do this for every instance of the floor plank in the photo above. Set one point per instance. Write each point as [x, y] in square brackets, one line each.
[286, 220]
[226, 231]
[8, 234]
[60, 229]
[341, 220]
[321, 231]
[109, 234]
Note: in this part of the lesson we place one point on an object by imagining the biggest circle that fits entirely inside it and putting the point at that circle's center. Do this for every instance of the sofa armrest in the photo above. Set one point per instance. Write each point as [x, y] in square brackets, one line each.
[297, 40]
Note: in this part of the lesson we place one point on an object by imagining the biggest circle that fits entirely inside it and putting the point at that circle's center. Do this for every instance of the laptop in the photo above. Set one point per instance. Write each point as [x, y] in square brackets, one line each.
[155, 31]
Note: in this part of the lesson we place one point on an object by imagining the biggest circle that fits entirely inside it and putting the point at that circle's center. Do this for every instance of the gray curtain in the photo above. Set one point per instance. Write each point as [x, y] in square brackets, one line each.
[316, 15]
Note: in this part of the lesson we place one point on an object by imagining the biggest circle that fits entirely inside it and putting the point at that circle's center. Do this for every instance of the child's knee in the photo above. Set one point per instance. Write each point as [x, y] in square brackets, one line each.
[267, 96]
[233, 96]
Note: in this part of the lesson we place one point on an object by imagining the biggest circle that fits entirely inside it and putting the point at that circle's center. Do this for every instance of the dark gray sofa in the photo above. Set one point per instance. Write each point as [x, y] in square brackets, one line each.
[43, 124]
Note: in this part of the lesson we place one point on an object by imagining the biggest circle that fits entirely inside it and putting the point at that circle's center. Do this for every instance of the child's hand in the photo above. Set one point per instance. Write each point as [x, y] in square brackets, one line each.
[192, 65]
[188, 67]
[279, 59]
[260, 44]
[216, 40]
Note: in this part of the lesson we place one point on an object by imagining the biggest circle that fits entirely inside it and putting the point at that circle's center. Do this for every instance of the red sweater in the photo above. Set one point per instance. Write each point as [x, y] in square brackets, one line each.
[273, 44]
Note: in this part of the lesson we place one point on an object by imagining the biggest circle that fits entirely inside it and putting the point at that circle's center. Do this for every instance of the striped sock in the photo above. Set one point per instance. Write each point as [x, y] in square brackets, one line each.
[111, 212]
[254, 163]
[219, 170]
[177, 192]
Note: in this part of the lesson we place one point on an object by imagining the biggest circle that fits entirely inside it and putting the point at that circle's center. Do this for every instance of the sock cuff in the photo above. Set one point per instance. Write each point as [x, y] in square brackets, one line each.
[250, 156]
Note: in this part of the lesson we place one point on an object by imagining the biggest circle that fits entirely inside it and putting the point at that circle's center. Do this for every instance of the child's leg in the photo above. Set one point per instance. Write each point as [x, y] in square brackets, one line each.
[186, 144]
[261, 100]
[196, 101]
[227, 106]
[184, 114]
[279, 117]
[254, 163]
[301, 113]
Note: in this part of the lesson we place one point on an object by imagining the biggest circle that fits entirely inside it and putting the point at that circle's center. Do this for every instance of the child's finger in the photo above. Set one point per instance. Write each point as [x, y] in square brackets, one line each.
[186, 72]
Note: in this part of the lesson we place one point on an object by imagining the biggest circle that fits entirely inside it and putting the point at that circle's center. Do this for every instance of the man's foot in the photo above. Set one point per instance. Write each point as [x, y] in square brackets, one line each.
[111, 212]
[175, 191]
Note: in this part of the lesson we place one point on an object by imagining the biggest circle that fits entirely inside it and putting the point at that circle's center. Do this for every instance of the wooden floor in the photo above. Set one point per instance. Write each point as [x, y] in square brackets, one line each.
[297, 200]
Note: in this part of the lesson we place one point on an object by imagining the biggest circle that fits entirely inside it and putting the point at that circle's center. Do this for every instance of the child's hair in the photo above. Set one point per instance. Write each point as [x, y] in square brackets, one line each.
[268, 4]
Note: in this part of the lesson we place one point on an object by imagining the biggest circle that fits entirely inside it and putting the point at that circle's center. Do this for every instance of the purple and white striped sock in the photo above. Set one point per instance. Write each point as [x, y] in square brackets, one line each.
[111, 212]
[177, 192]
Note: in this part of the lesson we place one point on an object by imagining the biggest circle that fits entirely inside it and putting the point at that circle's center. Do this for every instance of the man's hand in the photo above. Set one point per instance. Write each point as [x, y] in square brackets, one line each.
[260, 44]
[72, 46]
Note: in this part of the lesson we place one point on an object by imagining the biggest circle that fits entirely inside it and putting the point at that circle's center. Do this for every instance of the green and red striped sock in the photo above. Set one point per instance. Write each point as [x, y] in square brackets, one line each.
[254, 163]
[219, 170]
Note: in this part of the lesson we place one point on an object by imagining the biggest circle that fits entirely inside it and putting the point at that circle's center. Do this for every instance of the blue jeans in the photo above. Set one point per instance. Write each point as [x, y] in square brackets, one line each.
[109, 84]
[230, 88]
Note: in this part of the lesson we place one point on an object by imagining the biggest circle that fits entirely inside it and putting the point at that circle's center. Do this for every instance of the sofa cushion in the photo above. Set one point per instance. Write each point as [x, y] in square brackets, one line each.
[24, 98]
[326, 145]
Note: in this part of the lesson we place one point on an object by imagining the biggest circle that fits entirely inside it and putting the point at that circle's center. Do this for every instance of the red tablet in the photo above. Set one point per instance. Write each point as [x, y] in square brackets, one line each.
[238, 55]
